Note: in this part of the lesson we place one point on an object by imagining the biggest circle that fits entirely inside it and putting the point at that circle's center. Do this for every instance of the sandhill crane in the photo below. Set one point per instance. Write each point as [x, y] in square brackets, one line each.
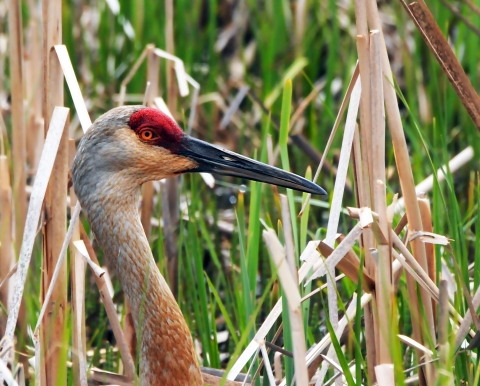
[124, 148]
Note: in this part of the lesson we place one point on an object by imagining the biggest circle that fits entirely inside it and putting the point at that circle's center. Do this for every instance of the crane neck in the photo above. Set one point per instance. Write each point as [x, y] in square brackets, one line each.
[167, 352]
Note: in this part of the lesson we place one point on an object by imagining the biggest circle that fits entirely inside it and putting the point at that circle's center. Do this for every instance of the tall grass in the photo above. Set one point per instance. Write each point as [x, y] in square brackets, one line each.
[227, 283]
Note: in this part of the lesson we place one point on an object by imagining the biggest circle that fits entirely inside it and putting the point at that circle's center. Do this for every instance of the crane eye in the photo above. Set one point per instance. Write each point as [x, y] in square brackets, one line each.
[147, 135]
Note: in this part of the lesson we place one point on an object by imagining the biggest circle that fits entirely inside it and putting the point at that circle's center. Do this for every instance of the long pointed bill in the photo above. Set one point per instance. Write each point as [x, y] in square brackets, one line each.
[212, 159]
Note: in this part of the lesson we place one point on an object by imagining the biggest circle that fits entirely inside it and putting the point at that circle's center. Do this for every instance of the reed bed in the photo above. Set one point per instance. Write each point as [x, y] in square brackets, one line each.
[377, 284]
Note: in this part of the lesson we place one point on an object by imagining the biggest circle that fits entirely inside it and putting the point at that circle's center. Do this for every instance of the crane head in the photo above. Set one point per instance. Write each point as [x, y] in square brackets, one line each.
[145, 144]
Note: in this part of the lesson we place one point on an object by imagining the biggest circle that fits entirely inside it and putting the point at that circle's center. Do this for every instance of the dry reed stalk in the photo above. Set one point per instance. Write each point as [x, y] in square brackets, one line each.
[160, 104]
[364, 165]
[78, 267]
[53, 325]
[414, 344]
[359, 213]
[33, 86]
[439, 46]
[58, 57]
[110, 309]
[343, 164]
[74, 88]
[266, 361]
[54, 234]
[7, 256]
[383, 277]
[77, 273]
[58, 267]
[57, 125]
[326, 267]
[277, 364]
[384, 374]
[96, 269]
[290, 285]
[401, 154]
[361, 20]
[19, 152]
[358, 167]
[349, 265]
[366, 138]
[363, 48]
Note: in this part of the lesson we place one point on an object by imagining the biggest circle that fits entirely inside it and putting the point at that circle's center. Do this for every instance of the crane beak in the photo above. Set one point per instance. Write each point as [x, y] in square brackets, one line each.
[212, 159]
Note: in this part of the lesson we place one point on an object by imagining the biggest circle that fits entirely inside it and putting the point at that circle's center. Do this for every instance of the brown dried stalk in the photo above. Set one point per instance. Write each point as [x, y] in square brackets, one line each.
[53, 325]
[383, 276]
[55, 133]
[53, 236]
[7, 258]
[363, 170]
[18, 133]
[401, 151]
[439, 46]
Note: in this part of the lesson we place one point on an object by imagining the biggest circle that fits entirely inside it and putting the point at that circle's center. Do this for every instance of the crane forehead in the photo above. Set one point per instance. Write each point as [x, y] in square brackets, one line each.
[155, 119]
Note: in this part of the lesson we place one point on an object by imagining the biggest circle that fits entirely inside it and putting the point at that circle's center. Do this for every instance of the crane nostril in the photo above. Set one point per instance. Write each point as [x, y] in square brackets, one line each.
[227, 158]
